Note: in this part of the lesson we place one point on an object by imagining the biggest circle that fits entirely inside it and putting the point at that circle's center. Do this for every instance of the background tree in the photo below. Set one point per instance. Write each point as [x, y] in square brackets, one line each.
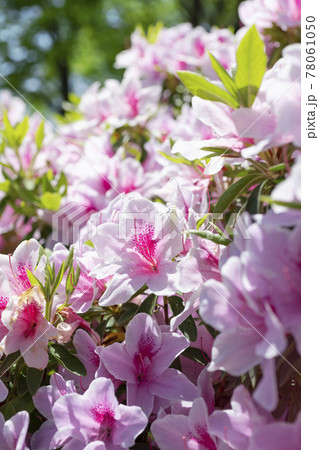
[49, 48]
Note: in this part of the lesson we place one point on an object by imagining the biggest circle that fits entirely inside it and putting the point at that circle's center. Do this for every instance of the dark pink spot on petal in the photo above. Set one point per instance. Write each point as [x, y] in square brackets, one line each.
[144, 242]
[29, 317]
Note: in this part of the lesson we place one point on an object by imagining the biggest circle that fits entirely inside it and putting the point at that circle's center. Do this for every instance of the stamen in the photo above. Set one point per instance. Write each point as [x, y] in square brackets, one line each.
[184, 441]
[81, 385]
[141, 373]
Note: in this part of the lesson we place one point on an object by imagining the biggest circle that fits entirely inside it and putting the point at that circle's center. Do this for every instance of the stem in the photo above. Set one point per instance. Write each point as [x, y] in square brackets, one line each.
[260, 168]
[166, 310]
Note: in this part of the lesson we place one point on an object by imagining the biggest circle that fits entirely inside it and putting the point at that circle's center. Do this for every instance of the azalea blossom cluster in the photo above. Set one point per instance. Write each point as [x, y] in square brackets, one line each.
[150, 249]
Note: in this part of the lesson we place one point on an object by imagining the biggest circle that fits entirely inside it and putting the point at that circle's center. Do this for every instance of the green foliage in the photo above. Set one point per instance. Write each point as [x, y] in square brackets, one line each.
[23, 403]
[188, 326]
[67, 359]
[271, 201]
[197, 355]
[234, 191]
[34, 378]
[63, 46]
[148, 304]
[51, 201]
[221, 240]
[9, 361]
[130, 309]
[240, 90]
[251, 66]
[198, 85]
[176, 304]
[13, 136]
[254, 203]
[223, 75]
[25, 191]
[39, 135]
[281, 38]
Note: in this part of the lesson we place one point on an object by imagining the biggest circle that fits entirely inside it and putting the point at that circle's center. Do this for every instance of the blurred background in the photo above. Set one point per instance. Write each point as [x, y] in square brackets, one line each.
[52, 48]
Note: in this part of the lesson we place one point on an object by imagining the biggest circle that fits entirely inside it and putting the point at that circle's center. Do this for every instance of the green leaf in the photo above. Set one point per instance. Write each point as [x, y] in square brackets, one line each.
[9, 361]
[39, 135]
[224, 77]
[8, 410]
[176, 304]
[9, 132]
[148, 305]
[34, 378]
[203, 88]
[217, 238]
[77, 275]
[62, 185]
[127, 315]
[69, 284]
[234, 191]
[221, 151]
[176, 364]
[46, 186]
[51, 201]
[67, 360]
[22, 387]
[34, 281]
[21, 130]
[7, 166]
[253, 203]
[176, 158]
[5, 186]
[24, 403]
[200, 222]
[214, 333]
[277, 167]
[141, 290]
[58, 279]
[197, 355]
[271, 201]
[69, 259]
[188, 326]
[251, 66]
[189, 329]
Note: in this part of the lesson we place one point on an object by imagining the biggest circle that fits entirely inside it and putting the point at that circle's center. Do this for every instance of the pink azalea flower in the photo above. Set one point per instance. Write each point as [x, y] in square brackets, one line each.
[87, 288]
[199, 264]
[86, 350]
[14, 106]
[96, 416]
[15, 267]
[278, 98]
[142, 244]
[143, 362]
[44, 400]
[182, 432]
[282, 435]
[262, 13]
[71, 322]
[5, 294]
[235, 426]
[29, 331]
[13, 432]
[253, 308]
